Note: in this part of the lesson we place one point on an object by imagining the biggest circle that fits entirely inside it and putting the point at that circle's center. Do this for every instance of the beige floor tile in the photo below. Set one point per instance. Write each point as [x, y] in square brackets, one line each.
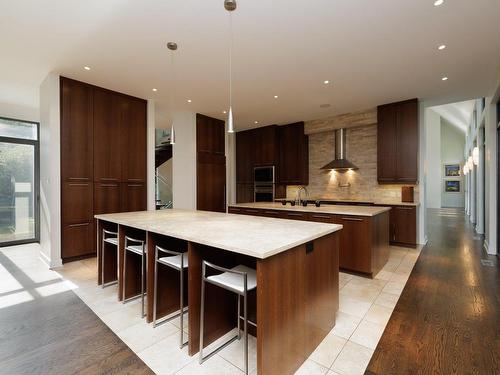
[328, 350]
[387, 300]
[368, 334]
[330, 372]
[394, 287]
[123, 317]
[345, 324]
[353, 306]
[142, 335]
[352, 360]
[234, 353]
[310, 367]
[165, 357]
[212, 366]
[384, 275]
[378, 314]
[361, 292]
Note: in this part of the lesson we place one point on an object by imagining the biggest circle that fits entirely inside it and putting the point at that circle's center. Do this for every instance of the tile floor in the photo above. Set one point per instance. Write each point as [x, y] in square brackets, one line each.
[365, 308]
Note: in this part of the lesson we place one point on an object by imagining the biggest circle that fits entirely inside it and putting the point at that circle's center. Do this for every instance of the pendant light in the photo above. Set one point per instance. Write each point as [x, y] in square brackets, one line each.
[230, 6]
[172, 46]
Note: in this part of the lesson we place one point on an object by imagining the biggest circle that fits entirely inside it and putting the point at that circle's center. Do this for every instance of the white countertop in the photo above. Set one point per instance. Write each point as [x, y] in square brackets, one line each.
[259, 237]
[325, 208]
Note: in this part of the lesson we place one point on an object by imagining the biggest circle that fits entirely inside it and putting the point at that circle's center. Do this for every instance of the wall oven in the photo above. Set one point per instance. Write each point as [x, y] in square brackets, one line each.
[264, 180]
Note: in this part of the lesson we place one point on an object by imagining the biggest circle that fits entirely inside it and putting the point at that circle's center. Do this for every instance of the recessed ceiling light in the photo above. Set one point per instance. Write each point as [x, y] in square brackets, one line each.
[224, 112]
[189, 100]
[155, 90]
[326, 82]
[442, 47]
[275, 96]
[86, 67]
[255, 122]
[444, 79]
[438, 3]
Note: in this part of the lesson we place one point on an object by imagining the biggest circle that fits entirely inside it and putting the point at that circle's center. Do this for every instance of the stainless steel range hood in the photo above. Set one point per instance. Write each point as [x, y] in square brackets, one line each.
[340, 163]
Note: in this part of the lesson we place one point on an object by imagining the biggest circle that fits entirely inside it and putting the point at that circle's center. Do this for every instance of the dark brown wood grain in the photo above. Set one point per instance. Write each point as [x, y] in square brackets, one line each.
[294, 155]
[447, 319]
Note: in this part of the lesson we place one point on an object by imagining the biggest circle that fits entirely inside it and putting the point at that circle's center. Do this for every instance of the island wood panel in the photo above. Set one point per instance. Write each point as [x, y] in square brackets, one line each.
[297, 297]
[355, 244]
[380, 242]
[132, 286]
[168, 297]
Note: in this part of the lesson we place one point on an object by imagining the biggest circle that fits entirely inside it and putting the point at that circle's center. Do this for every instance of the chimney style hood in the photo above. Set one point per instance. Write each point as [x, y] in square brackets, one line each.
[340, 163]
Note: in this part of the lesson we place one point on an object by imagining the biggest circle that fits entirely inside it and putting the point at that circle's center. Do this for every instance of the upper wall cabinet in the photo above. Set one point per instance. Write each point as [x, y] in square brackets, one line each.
[397, 143]
[294, 155]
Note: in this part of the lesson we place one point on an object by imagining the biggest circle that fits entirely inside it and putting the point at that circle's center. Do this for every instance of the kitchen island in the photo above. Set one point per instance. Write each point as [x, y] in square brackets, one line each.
[297, 276]
[364, 240]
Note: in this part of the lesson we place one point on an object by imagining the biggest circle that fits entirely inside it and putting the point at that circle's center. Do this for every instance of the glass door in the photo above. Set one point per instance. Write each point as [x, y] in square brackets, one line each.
[19, 182]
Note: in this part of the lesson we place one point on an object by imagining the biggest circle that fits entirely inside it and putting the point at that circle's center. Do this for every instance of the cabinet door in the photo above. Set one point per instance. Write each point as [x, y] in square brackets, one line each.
[321, 218]
[77, 240]
[295, 215]
[355, 251]
[134, 148]
[76, 131]
[211, 187]
[405, 225]
[210, 135]
[244, 157]
[244, 193]
[386, 143]
[407, 142]
[294, 155]
[106, 198]
[133, 197]
[108, 135]
[265, 146]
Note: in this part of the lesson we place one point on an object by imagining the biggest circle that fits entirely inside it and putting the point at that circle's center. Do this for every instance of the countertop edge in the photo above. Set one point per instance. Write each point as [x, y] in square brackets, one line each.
[311, 209]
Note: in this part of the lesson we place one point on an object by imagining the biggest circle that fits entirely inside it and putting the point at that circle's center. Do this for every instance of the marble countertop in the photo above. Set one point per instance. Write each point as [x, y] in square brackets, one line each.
[259, 237]
[380, 202]
[325, 209]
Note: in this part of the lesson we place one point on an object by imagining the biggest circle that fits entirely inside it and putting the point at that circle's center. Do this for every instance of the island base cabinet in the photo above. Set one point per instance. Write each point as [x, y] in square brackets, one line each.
[297, 297]
[355, 244]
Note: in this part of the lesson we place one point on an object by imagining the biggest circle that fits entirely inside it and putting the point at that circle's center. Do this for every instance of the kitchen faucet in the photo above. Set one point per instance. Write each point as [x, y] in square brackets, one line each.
[299, 195]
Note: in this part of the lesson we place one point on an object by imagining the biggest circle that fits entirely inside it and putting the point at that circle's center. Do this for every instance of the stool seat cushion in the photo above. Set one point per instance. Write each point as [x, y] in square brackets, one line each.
[111, 240]
[234, 281]
[174, 261]
[135, 249]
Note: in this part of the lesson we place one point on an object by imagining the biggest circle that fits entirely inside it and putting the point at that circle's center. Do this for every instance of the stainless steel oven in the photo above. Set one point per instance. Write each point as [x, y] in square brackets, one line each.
[263, 178]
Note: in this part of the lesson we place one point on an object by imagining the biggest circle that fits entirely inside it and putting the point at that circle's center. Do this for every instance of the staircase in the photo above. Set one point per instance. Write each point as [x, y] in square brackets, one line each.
[163, 152]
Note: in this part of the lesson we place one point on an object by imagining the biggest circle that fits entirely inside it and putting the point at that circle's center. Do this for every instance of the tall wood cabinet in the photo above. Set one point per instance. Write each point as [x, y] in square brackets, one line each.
[103, 160]
[210, 164]
[294, 155]
[397, 143]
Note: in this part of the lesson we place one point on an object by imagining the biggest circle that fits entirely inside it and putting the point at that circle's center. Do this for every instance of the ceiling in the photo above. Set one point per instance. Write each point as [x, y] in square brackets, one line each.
[372, 52]
[457, 114]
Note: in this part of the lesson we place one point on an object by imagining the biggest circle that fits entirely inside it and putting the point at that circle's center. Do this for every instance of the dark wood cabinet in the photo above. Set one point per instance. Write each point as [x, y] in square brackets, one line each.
[265, 142]
[403, 225]
[397, 143]
[355, 243]
[103, 142]
[294, 155]
[244, 157]
[244, 192]
[210, 164]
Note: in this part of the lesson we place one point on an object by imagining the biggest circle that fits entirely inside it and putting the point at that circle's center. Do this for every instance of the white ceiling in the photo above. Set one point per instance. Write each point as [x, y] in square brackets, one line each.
[457, 114]
[373, 52]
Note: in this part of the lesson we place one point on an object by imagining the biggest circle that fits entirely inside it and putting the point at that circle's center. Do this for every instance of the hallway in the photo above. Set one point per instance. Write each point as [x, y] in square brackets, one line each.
[447, 320]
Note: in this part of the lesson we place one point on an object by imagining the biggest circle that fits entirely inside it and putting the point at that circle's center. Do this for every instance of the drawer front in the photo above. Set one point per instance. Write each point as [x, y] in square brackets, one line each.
[296, 215]
[321, 218]
[234, 210]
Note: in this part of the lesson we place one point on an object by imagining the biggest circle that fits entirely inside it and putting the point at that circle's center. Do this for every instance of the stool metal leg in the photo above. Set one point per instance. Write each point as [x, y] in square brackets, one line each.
[239, 314]
[202, 311]
[102, 261]
[245, 321]
[142, 282]
[125, 270]
[181, 304]
[155, 287]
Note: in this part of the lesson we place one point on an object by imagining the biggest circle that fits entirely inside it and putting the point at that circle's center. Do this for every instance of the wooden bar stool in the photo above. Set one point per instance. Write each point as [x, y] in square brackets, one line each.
[239, 280]
[135, 246]
[111, 238]
[178, 261]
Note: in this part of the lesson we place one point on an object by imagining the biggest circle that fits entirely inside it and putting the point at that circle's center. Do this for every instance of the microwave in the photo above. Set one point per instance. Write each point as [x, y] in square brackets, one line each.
[263, 175]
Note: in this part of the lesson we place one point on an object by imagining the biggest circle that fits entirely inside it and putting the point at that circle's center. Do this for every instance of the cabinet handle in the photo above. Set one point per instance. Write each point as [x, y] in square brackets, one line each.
[252, 211]
[78, 178]
[271, 212]
[134, 185]
[404, 208]
[293, 214]
[78, 225]
[351, 219]
[78, 184]
[321, 217]
[109, 179]
[109, 185]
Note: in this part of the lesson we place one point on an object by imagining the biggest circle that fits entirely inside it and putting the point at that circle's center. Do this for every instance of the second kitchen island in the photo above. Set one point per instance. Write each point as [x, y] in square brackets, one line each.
[364, 240]
[296, 265]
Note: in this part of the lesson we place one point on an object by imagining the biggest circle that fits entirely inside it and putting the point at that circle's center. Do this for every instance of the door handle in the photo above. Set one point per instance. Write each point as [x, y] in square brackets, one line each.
[351, 219]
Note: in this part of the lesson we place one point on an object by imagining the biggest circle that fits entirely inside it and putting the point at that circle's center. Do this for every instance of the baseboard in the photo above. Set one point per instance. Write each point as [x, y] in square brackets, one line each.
[488, 249]
[50, 264]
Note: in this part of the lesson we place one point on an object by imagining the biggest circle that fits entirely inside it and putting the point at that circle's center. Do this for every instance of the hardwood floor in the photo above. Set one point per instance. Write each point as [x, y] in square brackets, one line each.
[57, 334]
[447, 320]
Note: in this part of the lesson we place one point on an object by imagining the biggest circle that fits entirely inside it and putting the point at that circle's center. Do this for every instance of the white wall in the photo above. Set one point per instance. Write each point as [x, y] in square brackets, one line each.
[19, 112]
[184, 161]
[230, 168]
[452, 152]
[433, 158]
[50, 178]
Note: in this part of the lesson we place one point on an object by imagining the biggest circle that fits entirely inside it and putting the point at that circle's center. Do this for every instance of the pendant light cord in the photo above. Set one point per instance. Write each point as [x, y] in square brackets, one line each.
[230, 60]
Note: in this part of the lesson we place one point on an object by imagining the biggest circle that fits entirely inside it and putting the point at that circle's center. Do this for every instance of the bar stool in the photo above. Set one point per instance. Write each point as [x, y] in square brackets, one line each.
[178, 262]
[239, 280]
[111, 238]
[135, 246]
